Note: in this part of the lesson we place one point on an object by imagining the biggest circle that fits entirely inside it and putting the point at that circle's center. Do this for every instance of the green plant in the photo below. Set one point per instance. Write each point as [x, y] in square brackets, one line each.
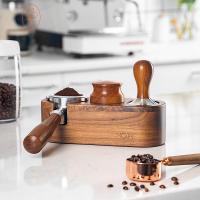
[189, 3]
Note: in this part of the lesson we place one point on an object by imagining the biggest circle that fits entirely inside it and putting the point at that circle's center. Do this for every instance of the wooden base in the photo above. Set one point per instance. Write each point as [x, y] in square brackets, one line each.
[122, 125]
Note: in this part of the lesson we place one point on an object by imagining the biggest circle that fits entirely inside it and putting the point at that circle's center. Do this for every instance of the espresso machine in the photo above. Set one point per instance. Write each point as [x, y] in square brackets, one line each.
[14, 23]
[88, 27]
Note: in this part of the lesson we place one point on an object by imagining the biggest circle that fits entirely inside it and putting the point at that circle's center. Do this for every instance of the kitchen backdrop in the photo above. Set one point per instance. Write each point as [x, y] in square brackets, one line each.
[73, 43]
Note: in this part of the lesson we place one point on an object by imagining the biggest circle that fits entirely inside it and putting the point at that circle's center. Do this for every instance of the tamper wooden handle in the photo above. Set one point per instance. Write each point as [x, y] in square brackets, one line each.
[143, 71]
[182, 160]
[38, 137]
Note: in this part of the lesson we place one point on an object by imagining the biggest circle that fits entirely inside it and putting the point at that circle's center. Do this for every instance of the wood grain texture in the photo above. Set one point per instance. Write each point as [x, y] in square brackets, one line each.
[121, 125]
[190, 159]
[39, 136]
[106, 93]
[143, 71]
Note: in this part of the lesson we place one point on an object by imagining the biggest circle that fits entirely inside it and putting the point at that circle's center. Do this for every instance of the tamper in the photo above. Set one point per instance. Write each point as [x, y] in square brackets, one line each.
[143, 71]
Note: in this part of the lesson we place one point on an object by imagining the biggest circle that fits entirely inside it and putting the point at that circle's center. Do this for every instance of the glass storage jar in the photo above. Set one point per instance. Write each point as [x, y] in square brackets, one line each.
[10, 86]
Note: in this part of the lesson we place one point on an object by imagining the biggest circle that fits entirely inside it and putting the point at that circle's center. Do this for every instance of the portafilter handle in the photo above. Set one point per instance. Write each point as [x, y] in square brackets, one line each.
[39, 136]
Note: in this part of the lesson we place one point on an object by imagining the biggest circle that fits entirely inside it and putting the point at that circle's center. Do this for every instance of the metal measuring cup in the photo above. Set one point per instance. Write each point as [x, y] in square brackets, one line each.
[39, 136]
[150, 172]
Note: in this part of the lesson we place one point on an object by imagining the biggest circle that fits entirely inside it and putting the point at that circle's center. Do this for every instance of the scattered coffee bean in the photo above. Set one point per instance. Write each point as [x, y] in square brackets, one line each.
[174, 178]
[152, 183]
[133, 184]
[146, 189]
[162, 186]
[124, 183]
[142, 186]
[125, 188]
[176, 183]
[110, 185]
[137, 189]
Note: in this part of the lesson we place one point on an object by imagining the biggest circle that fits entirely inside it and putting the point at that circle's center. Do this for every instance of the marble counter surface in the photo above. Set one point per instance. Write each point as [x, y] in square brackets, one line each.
[82, 172]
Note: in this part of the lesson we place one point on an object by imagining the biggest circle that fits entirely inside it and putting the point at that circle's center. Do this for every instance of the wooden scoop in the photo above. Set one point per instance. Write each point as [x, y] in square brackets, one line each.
[147, 172]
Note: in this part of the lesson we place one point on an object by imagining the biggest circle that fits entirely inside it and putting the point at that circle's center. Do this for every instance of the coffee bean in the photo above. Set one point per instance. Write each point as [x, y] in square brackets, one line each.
[146, 189]
[142, 186]
[162, 186]
[174, 178]
[133, 184]
[152, 183]
[135, 159]
[125, 188]
[176, 183]
[7, 101]
[110, 185]
[137, 189]
[124, 183]
[146, 158]
[143, 160]
[149, 156]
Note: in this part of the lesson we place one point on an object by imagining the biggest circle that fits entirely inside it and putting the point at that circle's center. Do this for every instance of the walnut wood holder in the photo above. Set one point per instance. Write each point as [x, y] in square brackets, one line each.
[117, 125]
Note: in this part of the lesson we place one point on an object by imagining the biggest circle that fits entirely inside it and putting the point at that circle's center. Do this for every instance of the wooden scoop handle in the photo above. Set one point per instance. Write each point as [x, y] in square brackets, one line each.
[143, 71]
[182, 160]
[38, 137]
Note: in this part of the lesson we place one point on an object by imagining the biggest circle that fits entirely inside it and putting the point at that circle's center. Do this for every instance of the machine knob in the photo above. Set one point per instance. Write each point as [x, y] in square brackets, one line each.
[118, 15]
[72, 16]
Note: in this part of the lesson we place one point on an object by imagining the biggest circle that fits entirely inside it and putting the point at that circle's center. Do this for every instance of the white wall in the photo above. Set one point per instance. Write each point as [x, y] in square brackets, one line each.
[150, 9]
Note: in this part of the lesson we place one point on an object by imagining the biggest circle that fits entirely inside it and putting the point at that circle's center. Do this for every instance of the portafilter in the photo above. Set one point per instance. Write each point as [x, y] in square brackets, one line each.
[40, 135]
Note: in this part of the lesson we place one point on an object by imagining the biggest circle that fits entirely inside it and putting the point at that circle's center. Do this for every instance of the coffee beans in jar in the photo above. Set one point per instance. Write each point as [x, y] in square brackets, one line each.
[7, 102]
[10, 81]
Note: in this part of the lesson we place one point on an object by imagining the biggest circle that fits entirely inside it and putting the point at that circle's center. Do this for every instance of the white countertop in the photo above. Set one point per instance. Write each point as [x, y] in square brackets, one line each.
[82, 172]
[159, 54]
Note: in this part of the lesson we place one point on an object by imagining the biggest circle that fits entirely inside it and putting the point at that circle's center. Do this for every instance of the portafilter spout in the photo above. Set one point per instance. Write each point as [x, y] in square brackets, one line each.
[39, 136]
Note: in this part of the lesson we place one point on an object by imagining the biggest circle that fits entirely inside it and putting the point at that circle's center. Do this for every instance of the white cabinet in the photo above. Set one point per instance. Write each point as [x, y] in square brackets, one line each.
[167, 79]
[35, 88]
[176, 78]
